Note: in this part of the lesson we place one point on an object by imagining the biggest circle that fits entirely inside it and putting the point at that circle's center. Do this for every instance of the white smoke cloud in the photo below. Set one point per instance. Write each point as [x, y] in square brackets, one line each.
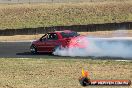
[99, 47]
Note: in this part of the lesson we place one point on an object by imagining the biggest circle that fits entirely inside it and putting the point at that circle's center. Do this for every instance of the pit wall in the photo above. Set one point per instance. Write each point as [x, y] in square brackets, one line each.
[78, 28]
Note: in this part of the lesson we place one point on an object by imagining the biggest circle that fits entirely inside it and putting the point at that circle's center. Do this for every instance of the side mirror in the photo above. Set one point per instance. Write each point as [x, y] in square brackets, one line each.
[40, 39]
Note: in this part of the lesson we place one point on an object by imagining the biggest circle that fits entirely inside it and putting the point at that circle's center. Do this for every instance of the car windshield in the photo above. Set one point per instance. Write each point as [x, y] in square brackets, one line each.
[69, 34]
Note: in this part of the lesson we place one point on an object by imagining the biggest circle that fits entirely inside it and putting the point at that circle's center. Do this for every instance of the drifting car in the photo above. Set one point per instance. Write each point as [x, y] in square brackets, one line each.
[58, 39]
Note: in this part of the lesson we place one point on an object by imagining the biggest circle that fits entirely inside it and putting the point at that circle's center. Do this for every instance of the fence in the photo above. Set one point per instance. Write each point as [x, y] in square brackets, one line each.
[78, 28]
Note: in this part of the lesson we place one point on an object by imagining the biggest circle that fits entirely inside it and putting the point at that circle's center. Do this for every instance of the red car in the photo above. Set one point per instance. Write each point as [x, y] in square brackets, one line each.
[58, 39]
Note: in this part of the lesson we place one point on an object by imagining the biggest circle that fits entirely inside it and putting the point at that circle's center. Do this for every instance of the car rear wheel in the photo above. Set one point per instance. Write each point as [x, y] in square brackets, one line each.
[33, 49]
[57, 47]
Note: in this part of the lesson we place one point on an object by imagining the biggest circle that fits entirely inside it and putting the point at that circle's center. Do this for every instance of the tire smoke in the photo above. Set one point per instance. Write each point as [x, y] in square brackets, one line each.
[98, 47]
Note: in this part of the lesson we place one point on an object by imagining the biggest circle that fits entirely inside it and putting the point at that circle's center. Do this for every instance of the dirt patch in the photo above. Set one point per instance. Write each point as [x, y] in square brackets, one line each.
[20, 37]
[119, 33]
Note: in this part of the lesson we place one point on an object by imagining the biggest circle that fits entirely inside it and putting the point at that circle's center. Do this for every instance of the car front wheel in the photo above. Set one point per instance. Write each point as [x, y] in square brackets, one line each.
[33, 49]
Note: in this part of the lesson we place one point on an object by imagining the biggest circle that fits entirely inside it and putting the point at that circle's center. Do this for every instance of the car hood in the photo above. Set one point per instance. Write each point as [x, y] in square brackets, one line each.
[35, 41]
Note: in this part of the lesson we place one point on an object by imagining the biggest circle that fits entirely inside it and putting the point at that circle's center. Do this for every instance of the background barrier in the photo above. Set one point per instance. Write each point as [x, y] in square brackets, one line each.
[78, 28]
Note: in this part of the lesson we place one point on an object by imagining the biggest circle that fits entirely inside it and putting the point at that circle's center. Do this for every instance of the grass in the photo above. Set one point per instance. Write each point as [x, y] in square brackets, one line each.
[59, 73]
[16, 16]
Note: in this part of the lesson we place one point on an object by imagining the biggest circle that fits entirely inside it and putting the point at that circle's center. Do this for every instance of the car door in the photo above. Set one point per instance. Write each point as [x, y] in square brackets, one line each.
[41, 47]
[52, 42]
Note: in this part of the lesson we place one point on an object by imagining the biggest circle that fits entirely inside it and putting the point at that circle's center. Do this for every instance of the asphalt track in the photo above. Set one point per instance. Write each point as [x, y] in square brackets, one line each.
[14, 49]
[21, 50]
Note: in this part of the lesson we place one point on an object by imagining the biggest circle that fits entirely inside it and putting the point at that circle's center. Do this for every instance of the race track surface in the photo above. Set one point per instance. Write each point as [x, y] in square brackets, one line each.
[18, 50]
[21, 50]
[14, 49]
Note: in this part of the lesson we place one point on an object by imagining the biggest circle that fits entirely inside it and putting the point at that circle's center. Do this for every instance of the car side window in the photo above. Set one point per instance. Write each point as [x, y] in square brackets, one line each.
[52, 36]
[71, 34]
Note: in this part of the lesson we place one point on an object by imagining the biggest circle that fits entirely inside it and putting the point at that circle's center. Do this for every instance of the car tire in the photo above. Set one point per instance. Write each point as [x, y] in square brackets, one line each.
[33, 49]
[56, 47]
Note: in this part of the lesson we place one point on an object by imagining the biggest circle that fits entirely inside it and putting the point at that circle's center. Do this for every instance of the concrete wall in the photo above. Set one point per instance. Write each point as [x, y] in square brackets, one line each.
[78, 28]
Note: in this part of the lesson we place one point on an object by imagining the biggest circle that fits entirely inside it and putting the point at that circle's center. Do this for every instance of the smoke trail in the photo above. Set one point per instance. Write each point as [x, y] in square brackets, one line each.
[100, 47]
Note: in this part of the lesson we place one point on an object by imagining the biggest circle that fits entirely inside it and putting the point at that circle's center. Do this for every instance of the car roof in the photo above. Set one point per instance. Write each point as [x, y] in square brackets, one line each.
[65, 31]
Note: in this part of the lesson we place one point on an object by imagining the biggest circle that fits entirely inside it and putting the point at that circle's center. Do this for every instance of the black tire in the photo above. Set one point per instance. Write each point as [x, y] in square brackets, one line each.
[33, 49]
[84, 82]
[56, 47]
